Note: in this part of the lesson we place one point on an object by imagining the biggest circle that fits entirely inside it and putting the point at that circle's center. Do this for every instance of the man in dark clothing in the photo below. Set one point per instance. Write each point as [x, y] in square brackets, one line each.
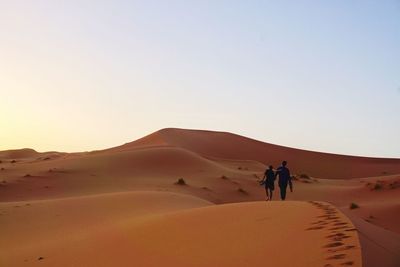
[284, 179]
[269, 182]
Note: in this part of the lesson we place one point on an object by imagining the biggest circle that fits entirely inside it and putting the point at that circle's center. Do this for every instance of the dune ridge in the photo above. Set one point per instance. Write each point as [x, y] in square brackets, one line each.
[231, 146]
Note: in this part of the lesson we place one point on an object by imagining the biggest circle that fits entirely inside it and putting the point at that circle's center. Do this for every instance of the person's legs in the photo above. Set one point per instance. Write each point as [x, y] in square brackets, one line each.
[283, 191]
[266, 192]
[270, 194]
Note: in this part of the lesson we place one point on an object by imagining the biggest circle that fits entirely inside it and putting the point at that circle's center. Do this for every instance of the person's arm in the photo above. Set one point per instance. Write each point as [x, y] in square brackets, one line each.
[277, 172]
[262, 181]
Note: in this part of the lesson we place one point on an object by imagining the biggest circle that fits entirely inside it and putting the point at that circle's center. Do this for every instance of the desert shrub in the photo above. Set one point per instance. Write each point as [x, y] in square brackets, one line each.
[27, 175]
[13, 161]
[241, 190]
[304, 176]
[378, 186]
[354, 206]
[181, 181]
[224, 177]
[239, 168]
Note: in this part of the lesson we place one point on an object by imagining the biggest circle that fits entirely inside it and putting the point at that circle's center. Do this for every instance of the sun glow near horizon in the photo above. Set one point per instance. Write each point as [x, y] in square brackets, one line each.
[89, 75]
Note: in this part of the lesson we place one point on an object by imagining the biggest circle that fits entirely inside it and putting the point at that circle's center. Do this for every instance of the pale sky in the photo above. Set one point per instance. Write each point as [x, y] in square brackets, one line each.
[85, 75]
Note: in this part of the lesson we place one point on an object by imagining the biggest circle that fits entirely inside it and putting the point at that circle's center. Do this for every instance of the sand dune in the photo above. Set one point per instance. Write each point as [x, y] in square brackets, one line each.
[34, 229]
[231, 146]
[94, 199]
[18, 153]
[148, 229]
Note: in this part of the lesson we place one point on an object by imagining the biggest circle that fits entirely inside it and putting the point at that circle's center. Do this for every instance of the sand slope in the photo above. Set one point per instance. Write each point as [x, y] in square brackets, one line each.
[147, 229]
[232, 146]
[33, 229]
[94, 199]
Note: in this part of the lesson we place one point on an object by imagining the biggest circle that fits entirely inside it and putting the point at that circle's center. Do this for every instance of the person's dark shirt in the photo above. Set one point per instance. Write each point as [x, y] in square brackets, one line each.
[284, 175]
[270, 176]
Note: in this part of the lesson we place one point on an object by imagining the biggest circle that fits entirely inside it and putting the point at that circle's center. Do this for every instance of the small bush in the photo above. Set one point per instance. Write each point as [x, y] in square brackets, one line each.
[27, 175]
[224, 177]
[377, 186]
[304, 176]
[241, 190]
[354, 206]
[394, 184]
[239, 168]
[2, 169]
[13, 161]
[181, 181]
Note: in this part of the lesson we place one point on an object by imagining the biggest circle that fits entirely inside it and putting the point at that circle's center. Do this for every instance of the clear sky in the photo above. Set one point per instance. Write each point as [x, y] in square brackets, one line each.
[84, 75]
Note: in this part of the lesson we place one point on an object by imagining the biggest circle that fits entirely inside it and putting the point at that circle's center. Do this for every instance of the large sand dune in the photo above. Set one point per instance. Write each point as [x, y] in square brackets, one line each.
[153, 229]
[71, 205]
[232, 146]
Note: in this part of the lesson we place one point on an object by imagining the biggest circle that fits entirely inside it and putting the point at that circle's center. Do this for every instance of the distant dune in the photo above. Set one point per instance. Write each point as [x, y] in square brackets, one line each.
[231, 146]
[18, 153]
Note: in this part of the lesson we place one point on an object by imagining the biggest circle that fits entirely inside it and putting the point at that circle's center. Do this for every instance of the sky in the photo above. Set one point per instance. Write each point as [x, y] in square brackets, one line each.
[86, 75]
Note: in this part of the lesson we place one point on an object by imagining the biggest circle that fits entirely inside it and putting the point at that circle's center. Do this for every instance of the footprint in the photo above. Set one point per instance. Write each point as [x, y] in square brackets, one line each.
[340, 223]
[337, 234]
[334, 244]
[338, 228]
[340, 249]
[337, 257]
[315, 228]
[317, 222]
[347, 263]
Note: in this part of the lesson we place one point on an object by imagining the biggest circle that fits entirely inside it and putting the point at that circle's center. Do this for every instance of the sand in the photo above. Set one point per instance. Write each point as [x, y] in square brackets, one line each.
[153, 229]
[66, 206]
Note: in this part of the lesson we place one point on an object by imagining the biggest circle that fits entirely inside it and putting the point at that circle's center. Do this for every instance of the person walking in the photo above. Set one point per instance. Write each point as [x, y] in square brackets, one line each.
[269, 182]
[284, 179]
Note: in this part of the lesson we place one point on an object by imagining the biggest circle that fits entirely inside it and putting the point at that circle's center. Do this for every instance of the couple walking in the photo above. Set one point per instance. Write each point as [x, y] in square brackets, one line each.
[284, 180]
